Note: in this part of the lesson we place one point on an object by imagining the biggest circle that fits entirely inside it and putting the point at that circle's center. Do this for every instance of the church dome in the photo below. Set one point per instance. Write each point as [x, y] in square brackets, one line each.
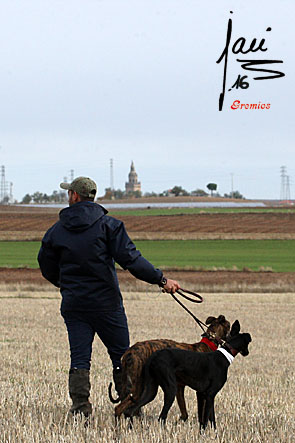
[133, 185]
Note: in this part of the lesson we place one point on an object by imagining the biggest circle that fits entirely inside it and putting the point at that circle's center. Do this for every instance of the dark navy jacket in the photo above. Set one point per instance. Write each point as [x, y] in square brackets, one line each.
[78, 255]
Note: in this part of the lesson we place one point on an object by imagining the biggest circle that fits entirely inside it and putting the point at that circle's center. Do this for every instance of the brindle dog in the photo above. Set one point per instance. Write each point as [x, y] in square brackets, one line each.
[135, 358]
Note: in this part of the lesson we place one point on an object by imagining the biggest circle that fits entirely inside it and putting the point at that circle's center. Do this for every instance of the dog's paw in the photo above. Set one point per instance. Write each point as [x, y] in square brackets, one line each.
[183, 417]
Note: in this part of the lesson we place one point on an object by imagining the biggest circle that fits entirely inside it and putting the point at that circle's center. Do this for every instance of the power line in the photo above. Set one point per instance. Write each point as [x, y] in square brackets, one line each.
[285, 185]
[283, 170]
[3, 184]
[112, 174]
[232, 185]
[11, 193]
[288, 197]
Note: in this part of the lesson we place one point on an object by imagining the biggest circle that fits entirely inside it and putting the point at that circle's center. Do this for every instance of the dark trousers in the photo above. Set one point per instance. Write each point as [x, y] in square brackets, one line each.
[111, 327]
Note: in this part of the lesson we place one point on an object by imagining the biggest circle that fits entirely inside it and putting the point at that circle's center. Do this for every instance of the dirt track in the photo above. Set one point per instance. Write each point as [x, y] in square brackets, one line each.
[214, 281]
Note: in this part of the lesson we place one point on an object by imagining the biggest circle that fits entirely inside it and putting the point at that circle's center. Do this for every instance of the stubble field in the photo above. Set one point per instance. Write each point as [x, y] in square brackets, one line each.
[255, 405]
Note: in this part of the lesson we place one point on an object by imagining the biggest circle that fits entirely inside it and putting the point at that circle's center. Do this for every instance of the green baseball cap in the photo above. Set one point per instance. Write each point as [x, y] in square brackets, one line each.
[84, 186]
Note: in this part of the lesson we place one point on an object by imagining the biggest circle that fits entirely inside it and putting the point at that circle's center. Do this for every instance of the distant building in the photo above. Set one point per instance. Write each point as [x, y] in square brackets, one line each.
[133, 185]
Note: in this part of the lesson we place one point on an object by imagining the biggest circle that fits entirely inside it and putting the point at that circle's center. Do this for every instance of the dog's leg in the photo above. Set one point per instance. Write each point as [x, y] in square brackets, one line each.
[207, 409]
[125, 404]
[169, 387]
[181, 402]
[212, 417]
[149, 393]
[201, 407]
[169, 397]
[201, 410]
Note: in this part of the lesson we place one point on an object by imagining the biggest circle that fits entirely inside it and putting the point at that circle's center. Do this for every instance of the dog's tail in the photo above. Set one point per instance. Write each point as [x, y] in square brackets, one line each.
[113, 400]
[127, 391]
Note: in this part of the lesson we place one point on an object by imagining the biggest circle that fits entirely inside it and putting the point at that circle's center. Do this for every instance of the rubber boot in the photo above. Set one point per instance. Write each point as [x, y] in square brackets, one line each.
[79, 389]
[117, 376]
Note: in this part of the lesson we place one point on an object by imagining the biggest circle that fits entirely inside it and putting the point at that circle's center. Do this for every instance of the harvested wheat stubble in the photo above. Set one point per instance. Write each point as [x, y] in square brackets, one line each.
[256, 404]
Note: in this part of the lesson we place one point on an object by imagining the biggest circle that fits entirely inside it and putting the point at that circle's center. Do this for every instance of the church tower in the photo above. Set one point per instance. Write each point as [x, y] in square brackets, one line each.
[133, 184]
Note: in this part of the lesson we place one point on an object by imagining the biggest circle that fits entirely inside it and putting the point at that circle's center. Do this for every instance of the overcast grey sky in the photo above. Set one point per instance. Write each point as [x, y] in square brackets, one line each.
[82, 82]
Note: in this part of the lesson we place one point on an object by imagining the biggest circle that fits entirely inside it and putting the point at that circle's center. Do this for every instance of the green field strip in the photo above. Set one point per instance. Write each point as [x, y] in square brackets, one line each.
[16, 254]
[278, 255]
[188, 211]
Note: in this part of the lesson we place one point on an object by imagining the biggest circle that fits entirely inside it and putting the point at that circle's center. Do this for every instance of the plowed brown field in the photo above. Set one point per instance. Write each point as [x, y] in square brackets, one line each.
[31, 223]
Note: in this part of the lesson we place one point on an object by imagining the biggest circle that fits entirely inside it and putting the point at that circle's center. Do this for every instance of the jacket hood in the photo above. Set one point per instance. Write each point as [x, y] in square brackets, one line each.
[81, 215]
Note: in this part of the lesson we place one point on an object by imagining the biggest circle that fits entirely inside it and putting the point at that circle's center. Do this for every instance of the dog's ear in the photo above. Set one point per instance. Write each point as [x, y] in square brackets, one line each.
[235, 329]
[210, 320]
[221, 318]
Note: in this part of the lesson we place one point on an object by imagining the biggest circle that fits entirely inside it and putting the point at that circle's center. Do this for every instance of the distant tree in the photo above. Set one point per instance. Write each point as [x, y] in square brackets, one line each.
[178, 190]
[199, 193]
[5, 199]
[108, 194]
[37, 197]
[54, 197]
[150, 194]
[62, 196]
[237, 194]
[234, 194]
[212, 187]
[118, 194]
[46, 198]
[26, 199]
[136, 194]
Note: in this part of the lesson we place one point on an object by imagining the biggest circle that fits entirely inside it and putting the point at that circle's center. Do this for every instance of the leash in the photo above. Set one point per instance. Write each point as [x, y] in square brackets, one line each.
[198, 299]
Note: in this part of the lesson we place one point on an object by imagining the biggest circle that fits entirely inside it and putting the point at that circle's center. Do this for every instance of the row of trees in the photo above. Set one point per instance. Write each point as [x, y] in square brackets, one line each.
[117, 194]
[39, 197]
[175, 191]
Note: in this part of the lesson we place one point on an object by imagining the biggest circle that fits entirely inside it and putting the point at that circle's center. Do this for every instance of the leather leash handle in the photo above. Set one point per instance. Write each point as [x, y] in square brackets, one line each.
[198, 298]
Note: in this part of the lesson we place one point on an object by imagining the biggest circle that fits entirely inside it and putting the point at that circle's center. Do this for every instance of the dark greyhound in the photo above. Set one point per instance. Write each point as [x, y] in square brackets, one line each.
[135, 358]
[206, 373]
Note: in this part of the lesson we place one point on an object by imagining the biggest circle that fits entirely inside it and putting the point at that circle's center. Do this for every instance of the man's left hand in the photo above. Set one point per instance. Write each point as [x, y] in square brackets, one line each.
[171, 286]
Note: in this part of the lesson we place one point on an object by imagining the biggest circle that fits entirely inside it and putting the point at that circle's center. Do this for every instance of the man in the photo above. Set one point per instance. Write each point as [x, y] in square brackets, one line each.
[78, 255]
